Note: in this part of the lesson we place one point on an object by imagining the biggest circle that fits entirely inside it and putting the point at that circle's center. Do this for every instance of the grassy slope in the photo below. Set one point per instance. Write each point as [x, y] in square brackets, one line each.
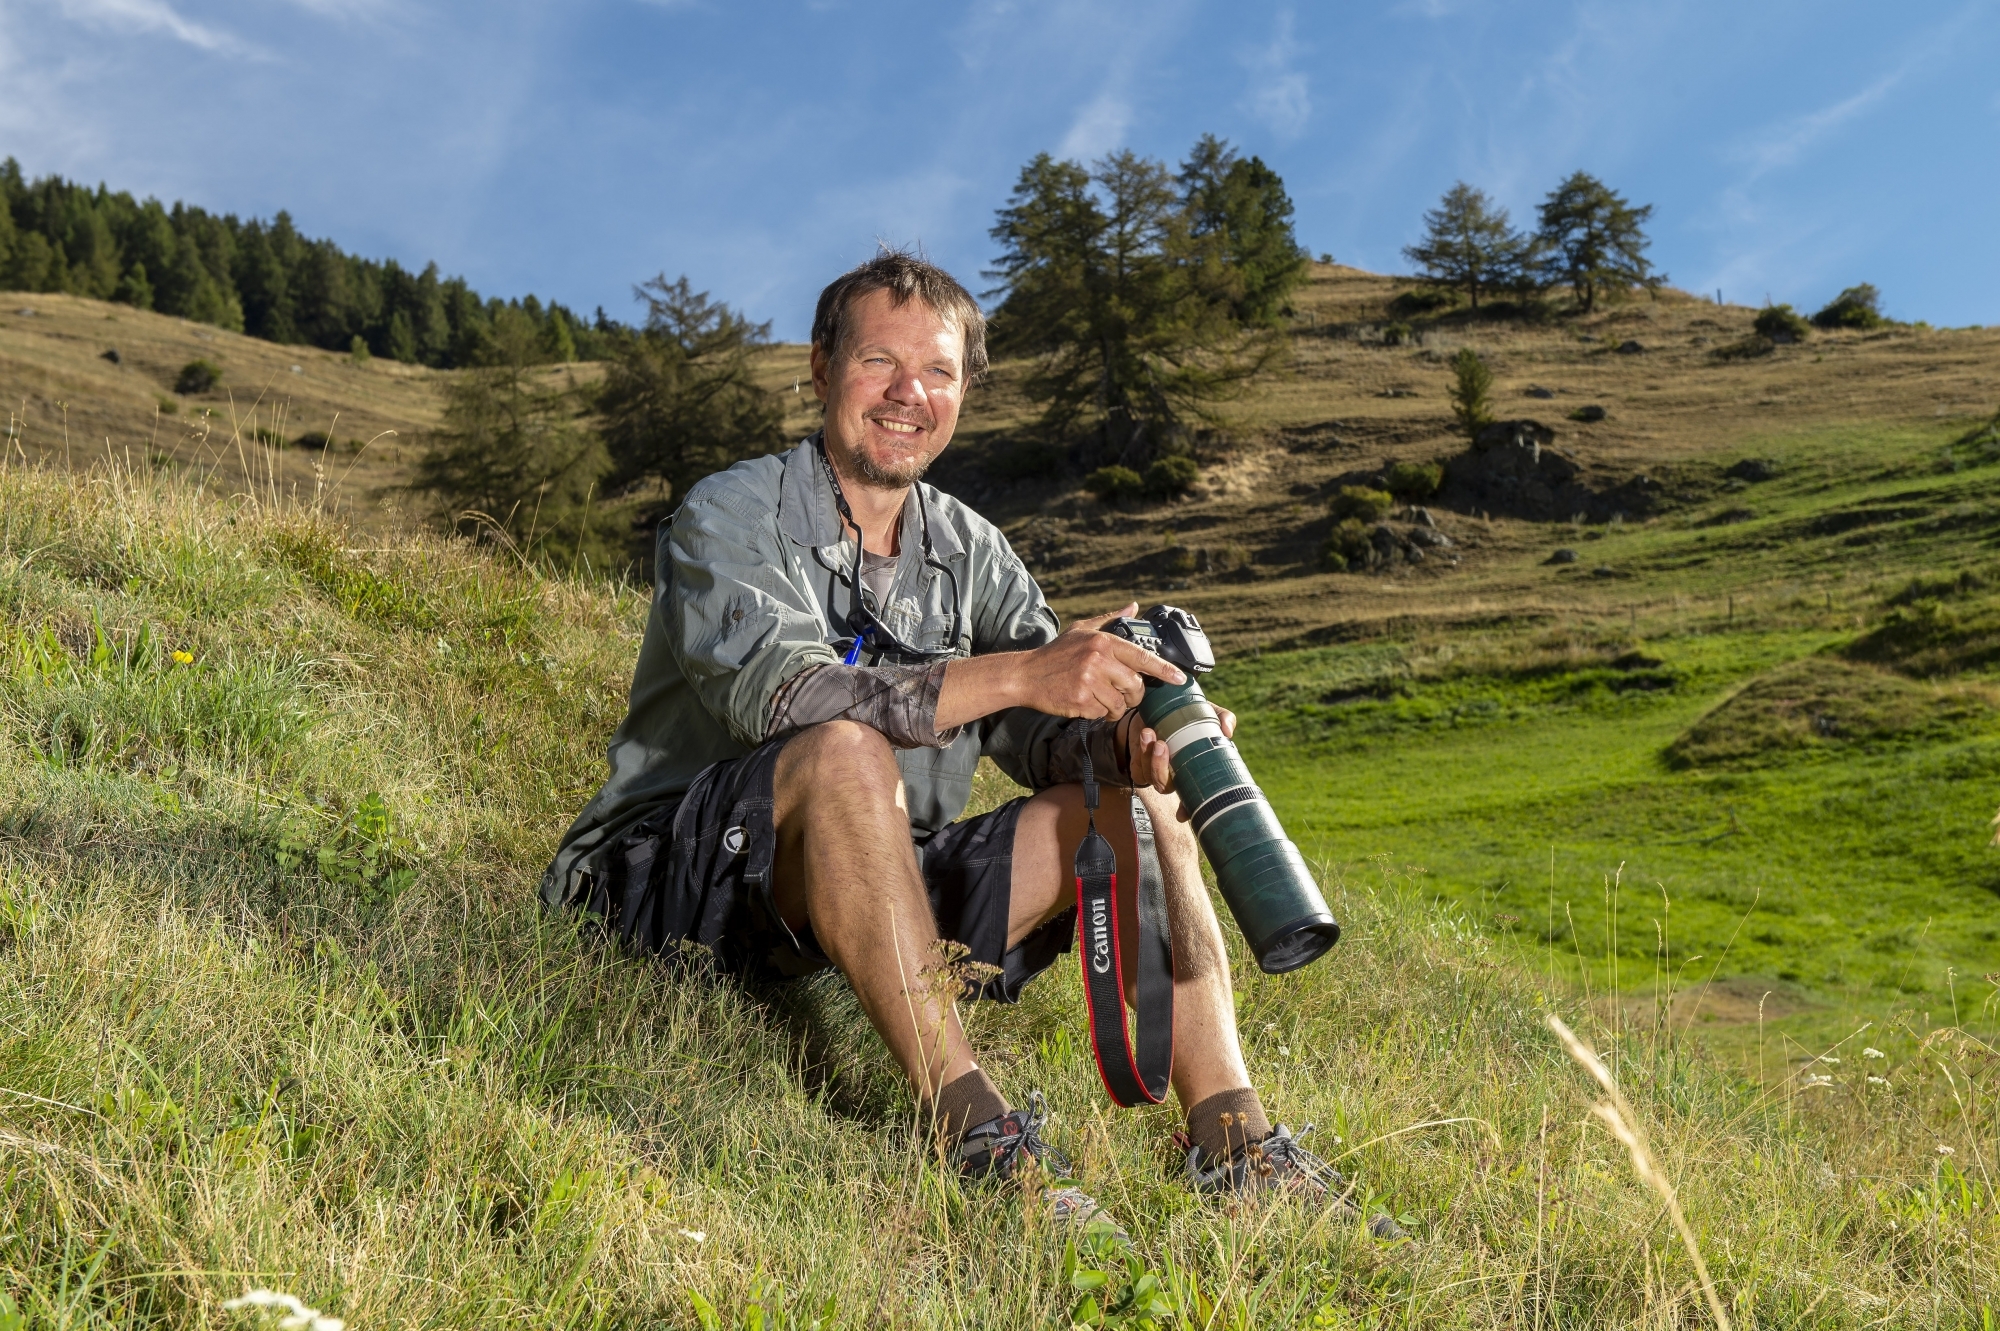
[1865, 859]
[276, 1007]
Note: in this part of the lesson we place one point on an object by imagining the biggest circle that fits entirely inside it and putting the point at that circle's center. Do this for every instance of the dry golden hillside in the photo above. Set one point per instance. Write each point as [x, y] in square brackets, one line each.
[1244, 550]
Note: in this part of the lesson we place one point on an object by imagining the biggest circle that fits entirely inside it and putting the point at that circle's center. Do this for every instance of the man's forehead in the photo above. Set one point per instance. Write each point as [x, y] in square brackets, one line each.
[877, 318]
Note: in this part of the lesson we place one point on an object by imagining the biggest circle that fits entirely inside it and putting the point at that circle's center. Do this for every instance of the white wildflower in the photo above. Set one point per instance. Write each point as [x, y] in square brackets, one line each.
[297, 1317]
[1816, 1079]
[1872, 1052]
[1284, 1051]
[1946, 1150]
[1828, 1058]
[698, 1235]
[1878, 1081]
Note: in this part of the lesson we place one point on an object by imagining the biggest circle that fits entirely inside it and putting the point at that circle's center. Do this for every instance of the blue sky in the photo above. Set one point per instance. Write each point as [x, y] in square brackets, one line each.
[1791, 148]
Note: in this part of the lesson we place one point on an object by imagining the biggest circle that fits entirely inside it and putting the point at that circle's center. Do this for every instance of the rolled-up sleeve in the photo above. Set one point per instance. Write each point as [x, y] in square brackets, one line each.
[744, 627]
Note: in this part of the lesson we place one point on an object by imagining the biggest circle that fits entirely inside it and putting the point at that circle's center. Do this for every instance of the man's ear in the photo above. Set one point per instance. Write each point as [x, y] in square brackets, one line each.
[822, 371]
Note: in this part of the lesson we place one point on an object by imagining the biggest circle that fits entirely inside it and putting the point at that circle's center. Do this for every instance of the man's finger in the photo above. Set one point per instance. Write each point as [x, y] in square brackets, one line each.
[1138, 658]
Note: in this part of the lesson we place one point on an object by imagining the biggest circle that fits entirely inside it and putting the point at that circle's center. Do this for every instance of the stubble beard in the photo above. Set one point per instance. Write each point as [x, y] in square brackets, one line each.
[900, 473]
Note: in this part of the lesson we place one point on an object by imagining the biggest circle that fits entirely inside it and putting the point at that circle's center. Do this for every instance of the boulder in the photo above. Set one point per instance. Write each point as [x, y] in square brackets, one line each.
[1388, 549]
[111, 354]
[1563, 555]
[1428, 536]
[1753, 469]
[1514, 468]
[1588, 415]
[1629, 348]
[1540, 392]
[1422, 516]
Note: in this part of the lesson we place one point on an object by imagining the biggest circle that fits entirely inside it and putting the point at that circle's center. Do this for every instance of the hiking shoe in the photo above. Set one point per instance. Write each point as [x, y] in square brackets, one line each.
[1279, 1166]
[1005, 1147]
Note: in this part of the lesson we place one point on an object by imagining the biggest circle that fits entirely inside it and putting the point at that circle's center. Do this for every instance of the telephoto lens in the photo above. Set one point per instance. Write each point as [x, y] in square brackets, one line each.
[1276, 902]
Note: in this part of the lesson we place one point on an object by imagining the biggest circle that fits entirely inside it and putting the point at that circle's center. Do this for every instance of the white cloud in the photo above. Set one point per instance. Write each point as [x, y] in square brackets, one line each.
[1278, 94]
[1099, 128]
[148, 17]
[1786, 143]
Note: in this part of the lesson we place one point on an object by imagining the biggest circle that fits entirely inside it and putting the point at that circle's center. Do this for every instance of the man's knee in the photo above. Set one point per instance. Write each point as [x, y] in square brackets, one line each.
[839, 759]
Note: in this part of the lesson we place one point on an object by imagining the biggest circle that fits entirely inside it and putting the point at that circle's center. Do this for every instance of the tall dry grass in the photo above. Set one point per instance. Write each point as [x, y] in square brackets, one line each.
[278, 1010]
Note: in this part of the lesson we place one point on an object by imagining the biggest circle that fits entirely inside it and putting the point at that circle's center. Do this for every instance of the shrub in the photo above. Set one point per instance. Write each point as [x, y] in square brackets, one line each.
[1781, 323]
[1424, 300]
[313, 439]
[357, 350]
[169, 407]
[1397, 335]
[1856, 307]
[1171, 477]
[1412, 482]
[1748, 349]
[1359, 503]
[1111, 484]
[1347, 546]
[197, 376]
[1471, 392]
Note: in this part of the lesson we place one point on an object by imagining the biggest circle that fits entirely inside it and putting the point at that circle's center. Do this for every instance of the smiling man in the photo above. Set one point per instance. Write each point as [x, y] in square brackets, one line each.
[833, 645]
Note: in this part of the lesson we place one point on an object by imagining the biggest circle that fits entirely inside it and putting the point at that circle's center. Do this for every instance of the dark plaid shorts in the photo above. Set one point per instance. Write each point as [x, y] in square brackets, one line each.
[700, 871]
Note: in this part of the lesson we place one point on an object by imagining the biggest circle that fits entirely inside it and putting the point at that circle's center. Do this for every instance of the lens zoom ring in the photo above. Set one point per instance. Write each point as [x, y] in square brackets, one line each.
[1221, 802]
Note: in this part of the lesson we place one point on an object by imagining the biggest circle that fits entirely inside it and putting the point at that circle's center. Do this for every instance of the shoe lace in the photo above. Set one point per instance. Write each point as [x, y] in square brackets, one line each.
[1282, 1152]
[1006, 1149]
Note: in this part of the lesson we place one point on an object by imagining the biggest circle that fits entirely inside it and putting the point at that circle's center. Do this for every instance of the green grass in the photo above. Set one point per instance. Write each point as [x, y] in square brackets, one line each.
[1771, 745]
[278, 1008]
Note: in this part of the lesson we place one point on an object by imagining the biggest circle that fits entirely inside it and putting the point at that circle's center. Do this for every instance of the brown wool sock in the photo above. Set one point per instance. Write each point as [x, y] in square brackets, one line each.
[1226, 1122]
[966, 1103]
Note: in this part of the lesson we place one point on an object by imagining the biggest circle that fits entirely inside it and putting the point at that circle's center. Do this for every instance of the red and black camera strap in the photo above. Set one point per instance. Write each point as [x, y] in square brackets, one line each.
[1132, 1077]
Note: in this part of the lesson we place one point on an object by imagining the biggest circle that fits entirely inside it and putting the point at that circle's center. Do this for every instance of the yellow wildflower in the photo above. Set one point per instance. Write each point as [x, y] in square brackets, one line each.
[183, 658]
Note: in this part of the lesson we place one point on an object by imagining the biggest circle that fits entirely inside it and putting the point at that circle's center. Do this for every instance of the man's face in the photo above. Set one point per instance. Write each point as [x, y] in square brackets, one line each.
[892, 390]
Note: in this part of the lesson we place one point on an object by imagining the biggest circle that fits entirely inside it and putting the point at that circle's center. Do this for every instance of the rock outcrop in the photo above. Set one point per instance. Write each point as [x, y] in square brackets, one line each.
[1514, 468]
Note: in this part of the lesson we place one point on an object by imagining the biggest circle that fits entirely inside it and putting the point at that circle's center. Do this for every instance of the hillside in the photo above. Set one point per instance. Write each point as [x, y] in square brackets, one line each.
[1527, 731]
[277, 1008]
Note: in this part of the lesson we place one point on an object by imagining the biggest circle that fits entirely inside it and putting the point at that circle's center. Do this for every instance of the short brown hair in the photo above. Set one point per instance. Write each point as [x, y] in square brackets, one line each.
[903, 276]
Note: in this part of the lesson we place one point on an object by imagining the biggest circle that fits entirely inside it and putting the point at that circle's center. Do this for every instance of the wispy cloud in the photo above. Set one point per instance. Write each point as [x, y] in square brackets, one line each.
[150, 17]
[1786, 143]
[1100, 127]
[1278, 94]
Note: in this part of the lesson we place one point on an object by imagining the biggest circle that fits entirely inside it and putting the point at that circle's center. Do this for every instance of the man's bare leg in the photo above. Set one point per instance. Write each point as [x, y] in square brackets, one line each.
[1207, 1057]
[845, 863]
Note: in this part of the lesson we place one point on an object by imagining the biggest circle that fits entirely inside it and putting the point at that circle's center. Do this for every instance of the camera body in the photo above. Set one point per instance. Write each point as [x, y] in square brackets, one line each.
[1270, 891]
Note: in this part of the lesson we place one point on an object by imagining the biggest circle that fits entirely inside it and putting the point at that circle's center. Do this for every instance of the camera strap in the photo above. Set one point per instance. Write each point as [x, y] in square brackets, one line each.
[1141, 1078]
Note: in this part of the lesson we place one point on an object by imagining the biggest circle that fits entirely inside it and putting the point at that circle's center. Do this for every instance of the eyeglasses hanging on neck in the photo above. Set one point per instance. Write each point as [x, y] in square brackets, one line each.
[870, 633]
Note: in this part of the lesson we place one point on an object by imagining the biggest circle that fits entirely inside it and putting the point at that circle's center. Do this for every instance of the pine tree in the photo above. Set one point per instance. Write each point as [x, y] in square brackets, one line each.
[680, 398]
[1469, 245]
[1129, 291]
[515, 457]
[1595, 241]
[1241, 205]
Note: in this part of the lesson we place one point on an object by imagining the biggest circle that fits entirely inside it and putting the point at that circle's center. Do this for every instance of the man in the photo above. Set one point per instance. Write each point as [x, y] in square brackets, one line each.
[832, 647]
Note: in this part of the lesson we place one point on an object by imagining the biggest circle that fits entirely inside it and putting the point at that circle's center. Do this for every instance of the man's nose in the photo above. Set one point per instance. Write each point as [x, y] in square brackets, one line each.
[907, 386]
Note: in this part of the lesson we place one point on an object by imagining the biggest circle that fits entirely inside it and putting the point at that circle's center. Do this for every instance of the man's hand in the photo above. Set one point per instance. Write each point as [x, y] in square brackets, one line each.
[1087, 672]
[1147, 759]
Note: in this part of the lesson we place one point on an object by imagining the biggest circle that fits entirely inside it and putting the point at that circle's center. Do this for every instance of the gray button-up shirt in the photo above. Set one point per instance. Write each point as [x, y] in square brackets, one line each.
[752, 587]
